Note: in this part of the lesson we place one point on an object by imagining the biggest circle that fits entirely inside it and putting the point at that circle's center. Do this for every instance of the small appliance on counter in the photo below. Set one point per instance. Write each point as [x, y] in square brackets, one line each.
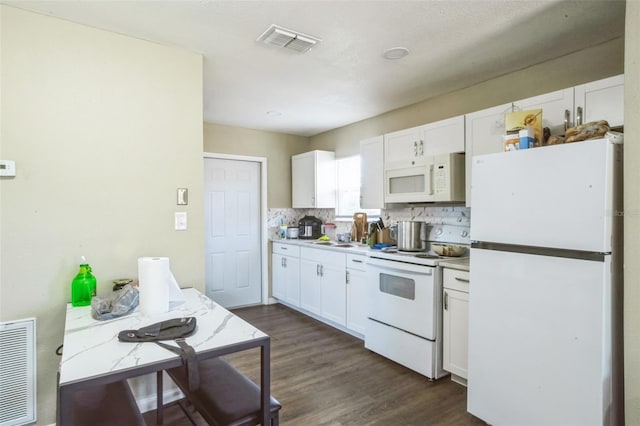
[309, 228]
[292, 232]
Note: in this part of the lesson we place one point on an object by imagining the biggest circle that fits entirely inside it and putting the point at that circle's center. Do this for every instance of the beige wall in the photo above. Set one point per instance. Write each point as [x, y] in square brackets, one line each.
[103, 129]
[632, 214]
[591, 64]
[277, 148]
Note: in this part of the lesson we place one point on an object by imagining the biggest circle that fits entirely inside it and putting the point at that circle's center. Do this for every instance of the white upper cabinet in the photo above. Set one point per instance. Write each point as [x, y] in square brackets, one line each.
[313, 180]
[484, 135]
[444, 136]
[556, 109]
[402, 149]
[372, 173]
[562, 109]
[412, 147]
[600, 100]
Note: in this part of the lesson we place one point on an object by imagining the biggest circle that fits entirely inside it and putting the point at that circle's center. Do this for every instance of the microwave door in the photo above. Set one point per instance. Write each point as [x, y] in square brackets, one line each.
[408, 185]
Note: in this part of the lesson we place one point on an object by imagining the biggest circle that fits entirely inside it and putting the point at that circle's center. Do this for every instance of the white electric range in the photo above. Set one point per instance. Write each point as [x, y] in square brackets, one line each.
[405, 311]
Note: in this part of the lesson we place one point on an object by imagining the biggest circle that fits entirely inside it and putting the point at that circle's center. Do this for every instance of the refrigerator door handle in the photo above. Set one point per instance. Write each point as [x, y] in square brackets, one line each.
[541, 251]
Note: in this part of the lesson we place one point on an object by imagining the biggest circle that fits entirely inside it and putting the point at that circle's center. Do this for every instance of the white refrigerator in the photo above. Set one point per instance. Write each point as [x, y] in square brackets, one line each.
[545, 300]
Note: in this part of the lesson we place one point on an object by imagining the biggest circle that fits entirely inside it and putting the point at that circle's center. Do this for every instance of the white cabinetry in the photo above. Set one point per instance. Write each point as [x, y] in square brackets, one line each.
[356, 293]
[455, 323]
[412, 147]
[285, 273]
[601, 100]
[313, 180]
[323, 283]
[598, 100]
[372, 173]
[485, 130]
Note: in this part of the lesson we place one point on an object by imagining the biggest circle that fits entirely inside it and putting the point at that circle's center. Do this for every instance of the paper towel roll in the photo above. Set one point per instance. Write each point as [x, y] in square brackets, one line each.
[153, 277]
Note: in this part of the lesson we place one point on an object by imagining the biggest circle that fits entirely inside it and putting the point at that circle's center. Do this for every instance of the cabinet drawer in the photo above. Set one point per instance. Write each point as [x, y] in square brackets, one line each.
[286, 249]
[456, 280]
[356, 261]
[323, 257]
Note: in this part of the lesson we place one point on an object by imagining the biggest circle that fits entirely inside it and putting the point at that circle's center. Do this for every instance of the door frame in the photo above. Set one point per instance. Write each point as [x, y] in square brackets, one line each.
[264, 240]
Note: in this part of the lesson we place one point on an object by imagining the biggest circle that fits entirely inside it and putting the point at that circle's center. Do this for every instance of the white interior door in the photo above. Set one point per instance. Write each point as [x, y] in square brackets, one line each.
[232, 232]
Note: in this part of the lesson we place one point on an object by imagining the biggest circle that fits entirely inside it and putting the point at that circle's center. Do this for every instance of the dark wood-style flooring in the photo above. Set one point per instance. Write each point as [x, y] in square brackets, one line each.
[322, 376]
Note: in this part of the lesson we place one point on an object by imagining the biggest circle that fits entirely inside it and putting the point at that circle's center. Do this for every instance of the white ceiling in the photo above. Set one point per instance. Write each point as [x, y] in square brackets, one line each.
[344, 79]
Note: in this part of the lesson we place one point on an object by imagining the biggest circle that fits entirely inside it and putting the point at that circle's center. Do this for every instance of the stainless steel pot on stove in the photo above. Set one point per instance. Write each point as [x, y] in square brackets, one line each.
[409, 235]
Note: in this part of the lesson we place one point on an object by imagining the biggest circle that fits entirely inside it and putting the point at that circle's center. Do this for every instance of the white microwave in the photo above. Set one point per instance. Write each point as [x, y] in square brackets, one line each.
[441, 179]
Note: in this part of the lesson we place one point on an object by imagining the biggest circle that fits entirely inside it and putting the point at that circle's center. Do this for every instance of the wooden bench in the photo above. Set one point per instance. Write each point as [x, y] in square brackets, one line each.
[226, 397]
[106, 405]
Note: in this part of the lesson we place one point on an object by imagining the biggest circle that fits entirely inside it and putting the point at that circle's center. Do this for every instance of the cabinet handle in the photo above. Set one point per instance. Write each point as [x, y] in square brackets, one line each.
[347, 277]
[284, 248]
[282, 262]
[567, 117]
[356, 260]
[464, 280]
[285, 261]
[579, 116]
[421, 147]
[446, 301]
[317, 270]
[322, 270]
[415, 148]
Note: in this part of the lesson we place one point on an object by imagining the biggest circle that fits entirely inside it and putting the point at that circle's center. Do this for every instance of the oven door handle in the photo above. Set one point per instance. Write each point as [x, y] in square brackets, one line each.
[391, 265]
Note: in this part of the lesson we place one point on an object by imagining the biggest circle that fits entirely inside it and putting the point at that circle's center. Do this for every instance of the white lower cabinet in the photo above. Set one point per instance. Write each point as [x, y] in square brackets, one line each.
[285, 270]
[356, 293]
[323, 284]
[330, 284]
[455, 323]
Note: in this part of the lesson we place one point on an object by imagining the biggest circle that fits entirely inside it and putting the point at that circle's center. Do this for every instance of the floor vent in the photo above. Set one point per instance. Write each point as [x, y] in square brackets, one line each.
[18, 372]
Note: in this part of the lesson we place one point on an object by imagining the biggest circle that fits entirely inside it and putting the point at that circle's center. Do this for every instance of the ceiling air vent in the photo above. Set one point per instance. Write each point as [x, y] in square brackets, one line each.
[289, 39]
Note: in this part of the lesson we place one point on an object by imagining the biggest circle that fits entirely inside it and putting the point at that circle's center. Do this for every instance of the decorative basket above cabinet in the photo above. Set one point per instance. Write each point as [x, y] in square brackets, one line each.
[313, 180]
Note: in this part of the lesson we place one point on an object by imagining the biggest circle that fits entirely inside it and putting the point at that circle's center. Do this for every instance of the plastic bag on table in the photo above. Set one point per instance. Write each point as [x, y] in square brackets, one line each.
[118, 303]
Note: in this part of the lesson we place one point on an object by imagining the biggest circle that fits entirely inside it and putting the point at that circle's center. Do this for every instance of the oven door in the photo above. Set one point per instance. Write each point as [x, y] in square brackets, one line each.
[404, 296]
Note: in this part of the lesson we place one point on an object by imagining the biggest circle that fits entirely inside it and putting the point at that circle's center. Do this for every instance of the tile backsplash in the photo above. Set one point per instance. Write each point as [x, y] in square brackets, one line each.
[440, 215]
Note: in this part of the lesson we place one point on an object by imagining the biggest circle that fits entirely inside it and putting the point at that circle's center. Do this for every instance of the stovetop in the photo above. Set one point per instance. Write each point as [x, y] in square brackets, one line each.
[451, 234]
[418, 258]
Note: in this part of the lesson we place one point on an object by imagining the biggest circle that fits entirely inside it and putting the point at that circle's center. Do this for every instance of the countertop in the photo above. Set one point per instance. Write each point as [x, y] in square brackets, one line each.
[334, 245]
[460, 264]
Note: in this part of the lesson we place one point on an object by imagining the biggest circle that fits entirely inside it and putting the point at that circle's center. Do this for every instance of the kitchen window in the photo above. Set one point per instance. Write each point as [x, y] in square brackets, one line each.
[348, 190]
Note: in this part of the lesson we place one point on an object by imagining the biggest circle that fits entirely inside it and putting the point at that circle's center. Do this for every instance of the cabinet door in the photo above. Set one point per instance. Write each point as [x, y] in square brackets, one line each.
[372, 173]
[402, 149]
[325, 180]
[443, 137]
[356, 300]
[455, 326]
[556, 109]
[601, 100]
[484, 135]
[334, 293]
[310, 286]
[278, 277]
[292, 273]
[303, 186]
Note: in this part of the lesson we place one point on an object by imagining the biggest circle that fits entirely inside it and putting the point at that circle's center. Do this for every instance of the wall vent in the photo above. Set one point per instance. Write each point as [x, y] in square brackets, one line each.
[18, 372]
[279, 36]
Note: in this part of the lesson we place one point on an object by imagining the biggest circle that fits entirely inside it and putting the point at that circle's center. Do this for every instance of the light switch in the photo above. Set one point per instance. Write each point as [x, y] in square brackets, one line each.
[183, 196]
[181, 221]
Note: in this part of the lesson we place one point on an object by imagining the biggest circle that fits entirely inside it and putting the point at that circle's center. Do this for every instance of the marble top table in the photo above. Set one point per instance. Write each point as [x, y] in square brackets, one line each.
[92, 353]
